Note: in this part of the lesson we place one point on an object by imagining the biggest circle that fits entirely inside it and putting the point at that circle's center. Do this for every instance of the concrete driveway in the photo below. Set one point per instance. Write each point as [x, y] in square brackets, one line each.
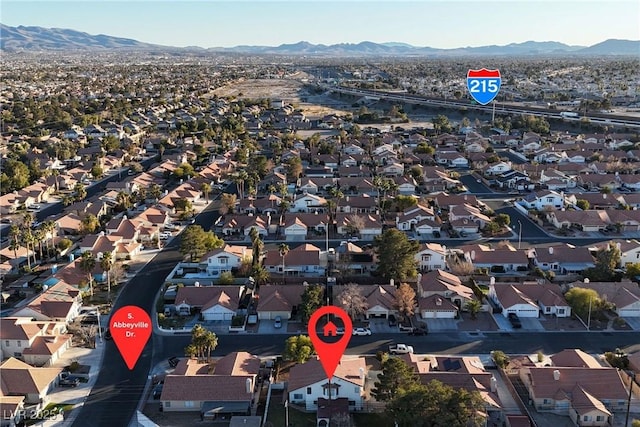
[634, 322]
[438, 325]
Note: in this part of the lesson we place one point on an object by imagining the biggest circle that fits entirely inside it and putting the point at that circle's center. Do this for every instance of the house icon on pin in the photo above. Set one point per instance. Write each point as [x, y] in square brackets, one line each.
[330, 329]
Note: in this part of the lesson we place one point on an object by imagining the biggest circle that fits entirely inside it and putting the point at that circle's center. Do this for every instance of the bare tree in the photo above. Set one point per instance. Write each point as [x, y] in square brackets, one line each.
[405, 299]
[460, 267]
[352, 300]
[355, 224]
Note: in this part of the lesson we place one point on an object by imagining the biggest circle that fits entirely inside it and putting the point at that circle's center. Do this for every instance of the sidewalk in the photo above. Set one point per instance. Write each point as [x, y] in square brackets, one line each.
[78, 395]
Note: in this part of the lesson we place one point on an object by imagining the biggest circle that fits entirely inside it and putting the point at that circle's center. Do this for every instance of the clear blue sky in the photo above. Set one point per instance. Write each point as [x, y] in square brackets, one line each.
[441, 24]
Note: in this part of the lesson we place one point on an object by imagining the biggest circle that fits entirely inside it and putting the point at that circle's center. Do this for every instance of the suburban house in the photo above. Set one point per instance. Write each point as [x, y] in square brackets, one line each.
[529, 299]
[217, 390]
[466, 372]
[61, 302]
[442, 294]
[223, 259]
[625, 295]
[23, 381]
[278, 300]
[37, 343]
[308, 203]
[563, 259]
[577, 392]
[431, 256]
[213, 302]
[352, 259]
[542, 200]
[302, 261]
[407, 220]
[308, 383]
[366, 226]
[499, 260]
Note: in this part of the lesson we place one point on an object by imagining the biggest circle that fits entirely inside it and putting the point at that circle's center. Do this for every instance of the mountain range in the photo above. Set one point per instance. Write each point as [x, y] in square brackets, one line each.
[23, 38]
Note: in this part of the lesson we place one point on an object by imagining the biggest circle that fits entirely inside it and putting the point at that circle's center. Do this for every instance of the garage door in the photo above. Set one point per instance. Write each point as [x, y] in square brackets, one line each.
[213, 316]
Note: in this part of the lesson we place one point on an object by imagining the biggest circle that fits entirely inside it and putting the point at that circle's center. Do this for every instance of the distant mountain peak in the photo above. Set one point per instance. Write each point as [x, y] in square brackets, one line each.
[39, 38]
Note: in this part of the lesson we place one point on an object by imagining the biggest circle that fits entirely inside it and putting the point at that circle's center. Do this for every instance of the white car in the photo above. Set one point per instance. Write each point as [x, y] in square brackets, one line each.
[165, 236]
[361, 331]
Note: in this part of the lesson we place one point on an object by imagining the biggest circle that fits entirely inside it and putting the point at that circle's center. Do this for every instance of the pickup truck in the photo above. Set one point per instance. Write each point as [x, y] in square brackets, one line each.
[400, 349]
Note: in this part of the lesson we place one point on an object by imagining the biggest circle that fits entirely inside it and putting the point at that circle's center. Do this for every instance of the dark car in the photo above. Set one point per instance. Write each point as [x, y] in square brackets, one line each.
[157, 391]
[515, 320]
[173, 361]
[107, 335]
[418, 331]
[90, 319]
[69, 382]
[392, 320]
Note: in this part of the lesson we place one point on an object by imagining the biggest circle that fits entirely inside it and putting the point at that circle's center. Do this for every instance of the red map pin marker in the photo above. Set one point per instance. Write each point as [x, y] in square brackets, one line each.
[330, 353]
[130, 328]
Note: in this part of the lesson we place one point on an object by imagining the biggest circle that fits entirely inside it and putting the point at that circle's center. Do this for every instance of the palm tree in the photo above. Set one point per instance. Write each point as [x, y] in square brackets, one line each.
[473, 306]
[123, 199]
[107, 264]
[80, 191]
[14, 237]
[283, 249]
[206, 190]
[260, 275]
[87, 264]
[50, 229]
[38, 236]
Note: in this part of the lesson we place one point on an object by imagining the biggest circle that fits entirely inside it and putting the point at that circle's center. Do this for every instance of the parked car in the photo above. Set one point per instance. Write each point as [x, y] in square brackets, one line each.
[165, 235]
[277, 322]
[418, 331]
[107, 335]
[392, 320]
[339, 330]
[69, 382]
[173, 361]
[90, 319]
[353, 239]
[157, 391]
[515, 320]
[361, 331]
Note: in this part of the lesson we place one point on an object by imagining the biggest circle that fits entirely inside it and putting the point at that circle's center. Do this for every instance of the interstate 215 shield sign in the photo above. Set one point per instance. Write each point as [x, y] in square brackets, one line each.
[483, 85]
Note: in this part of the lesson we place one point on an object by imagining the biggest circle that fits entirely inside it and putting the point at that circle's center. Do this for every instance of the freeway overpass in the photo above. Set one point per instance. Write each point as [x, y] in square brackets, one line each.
[631, 122]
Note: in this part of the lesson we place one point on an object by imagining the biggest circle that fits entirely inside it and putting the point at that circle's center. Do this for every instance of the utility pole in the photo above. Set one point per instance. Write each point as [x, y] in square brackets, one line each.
[589, 318]
[519, 233]
[632, 380]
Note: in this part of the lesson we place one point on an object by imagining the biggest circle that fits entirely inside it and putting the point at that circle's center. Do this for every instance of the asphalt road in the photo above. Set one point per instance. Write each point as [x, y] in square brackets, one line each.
[442, 343]
[117, 391]
[529, 229]
[475, 187]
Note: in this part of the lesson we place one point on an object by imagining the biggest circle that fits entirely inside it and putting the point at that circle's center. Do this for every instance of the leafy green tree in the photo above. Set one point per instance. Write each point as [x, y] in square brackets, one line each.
[397, 377]
[436, 404]
[196, 242]
[312, 299]
[203, 342]
[396, 255]
[500, 359]
[404, 202]
[632, 270]
[502, 220]
[607, 260]
[89, 224]
[80, 191]
[226, 278]
[298, 349]
[582, 300]
[97, 171]
[583, 204]
[227, 203]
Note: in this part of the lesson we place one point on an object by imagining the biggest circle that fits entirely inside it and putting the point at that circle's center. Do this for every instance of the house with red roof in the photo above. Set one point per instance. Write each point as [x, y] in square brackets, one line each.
[308, 383]
[37, 343]
[217, 390]
[278, 300]
[61, 302]
[24, 384]
[214, 302]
